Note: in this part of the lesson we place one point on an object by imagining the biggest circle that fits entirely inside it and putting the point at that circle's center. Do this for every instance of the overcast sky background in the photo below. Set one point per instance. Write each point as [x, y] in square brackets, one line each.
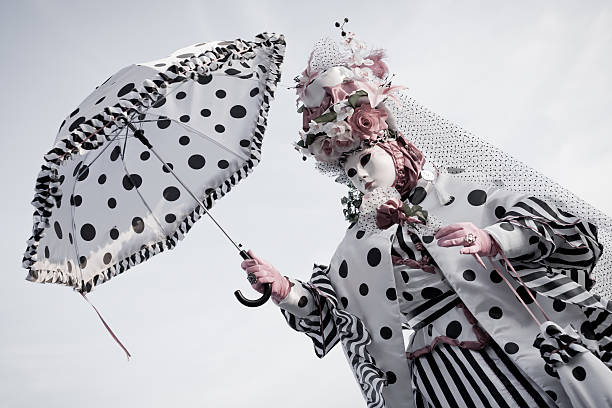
[531, 77]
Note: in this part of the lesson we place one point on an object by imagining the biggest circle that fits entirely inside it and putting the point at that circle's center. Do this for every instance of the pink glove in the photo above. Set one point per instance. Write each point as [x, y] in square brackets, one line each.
[454, 235]
[266, 273]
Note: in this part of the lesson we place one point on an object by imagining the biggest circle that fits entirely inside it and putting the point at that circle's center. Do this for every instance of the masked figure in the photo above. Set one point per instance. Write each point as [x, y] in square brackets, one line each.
[452, 260]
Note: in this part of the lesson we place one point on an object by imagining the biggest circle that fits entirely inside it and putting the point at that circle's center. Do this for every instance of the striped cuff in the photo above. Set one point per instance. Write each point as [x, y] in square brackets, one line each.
[299, 301]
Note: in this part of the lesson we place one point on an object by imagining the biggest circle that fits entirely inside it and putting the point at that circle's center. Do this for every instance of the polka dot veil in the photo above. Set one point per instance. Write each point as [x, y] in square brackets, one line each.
[472, 159]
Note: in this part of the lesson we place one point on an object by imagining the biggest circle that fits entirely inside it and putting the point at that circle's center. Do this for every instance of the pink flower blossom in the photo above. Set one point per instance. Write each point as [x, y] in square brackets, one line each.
[368, 122]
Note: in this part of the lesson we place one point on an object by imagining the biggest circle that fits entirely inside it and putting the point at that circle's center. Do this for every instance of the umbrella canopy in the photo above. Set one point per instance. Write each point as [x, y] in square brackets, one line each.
[121, 182]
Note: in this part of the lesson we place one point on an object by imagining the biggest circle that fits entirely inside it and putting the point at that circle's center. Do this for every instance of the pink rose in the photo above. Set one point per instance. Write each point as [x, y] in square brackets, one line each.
[389, 213]
[323, 149]
[344, 142]
[309, 114]
[367, 122]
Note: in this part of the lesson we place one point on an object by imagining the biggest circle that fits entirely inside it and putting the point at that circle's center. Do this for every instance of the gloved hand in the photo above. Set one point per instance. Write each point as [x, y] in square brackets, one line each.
[454, 235]
[266, 273]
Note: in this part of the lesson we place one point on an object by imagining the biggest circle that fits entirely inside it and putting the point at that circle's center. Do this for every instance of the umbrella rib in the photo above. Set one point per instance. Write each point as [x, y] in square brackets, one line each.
[129, 175]
[221, 146]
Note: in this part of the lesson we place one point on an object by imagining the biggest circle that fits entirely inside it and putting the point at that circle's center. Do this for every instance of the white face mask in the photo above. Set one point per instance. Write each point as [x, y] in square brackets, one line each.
[370, 168]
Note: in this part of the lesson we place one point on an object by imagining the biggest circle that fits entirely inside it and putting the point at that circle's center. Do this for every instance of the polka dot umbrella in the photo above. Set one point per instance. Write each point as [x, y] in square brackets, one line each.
[143, 157]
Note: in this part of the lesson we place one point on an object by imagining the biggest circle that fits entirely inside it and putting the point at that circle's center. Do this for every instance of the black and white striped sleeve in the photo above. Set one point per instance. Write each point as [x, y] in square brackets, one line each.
[310, 310]
[559, 240]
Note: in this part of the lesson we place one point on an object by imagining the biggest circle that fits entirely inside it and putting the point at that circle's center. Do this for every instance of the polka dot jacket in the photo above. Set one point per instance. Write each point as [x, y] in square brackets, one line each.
[361, 299]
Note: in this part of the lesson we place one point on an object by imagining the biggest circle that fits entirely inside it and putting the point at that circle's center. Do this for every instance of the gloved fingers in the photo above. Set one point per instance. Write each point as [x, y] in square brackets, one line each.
[447, 230]
[255, 257]
[265, 279]
[451, 242]
[472, 249]
[256, 269]
[456, 234]
[248, 262]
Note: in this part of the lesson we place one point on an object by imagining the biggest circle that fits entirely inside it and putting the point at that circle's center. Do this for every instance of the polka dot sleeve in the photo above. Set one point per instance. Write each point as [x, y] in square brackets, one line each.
[514, 241]
[300, 300]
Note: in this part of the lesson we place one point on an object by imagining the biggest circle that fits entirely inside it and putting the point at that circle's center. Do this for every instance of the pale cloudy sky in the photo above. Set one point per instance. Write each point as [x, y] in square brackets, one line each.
[531, 77]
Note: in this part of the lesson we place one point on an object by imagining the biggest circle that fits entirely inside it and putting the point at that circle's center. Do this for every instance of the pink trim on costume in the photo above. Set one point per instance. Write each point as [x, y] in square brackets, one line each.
[482, 336]
[408, 162]
[424, 263]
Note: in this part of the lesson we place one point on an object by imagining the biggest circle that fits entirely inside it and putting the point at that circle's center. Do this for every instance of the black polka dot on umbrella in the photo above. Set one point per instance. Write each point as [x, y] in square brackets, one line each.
[494, 276]
[205, 112]
[170, 218]
[107, 258]
[500, 211]
[144, 156]
[184, 140]
[131, 181]
[391, 294]
[374, 257]
[77, 200]
[111, 202]
[386, 332]
[364, 289]
[47, 252]
[344, 302]
[405, 276]
[114, 233]
[82, 261]
[232, 71]
[74, 112]
[167, 167]
[430, 292]
[100, 100]
[125, 89]
[223, 164]
[477, 197]
[88, 232]
[579, 373]
[407, 296]
[138, 225]
[495, 312]
[303, 301]
[219, 128]
[70, 238]
[238, 111]
[454, 329]
[181, 95]
[220, 94]
[343, 269]
[76, 123]
[204, 79]
[506, 226]
[83, 173]
[469, 275]
[77, 168]
[115, 153]
[254, 92]
[511, 348]
[184, 118]
[391, 377]
[196, 161]
[359, 234]
[159, 103]
[163, 122]
[245, 143]
[58, 229]
[558, 305]
[550, 371]
[102, 179]
[428, 239]
[171, 193]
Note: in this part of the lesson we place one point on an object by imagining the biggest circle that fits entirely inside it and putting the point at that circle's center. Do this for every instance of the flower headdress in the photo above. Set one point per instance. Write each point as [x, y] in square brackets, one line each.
[343, 106]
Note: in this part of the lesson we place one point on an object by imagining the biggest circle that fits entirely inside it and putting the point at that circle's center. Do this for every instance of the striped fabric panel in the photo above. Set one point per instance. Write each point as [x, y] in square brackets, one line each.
[321, 328]
[566, 254]
[451, 376]
[432, 309]
[599, 328]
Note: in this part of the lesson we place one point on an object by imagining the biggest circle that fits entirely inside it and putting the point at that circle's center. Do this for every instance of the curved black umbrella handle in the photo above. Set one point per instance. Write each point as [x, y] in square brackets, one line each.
[257, 302]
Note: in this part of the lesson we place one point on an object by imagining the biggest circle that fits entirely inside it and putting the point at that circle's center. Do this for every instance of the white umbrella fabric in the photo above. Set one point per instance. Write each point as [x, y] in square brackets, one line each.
[135, 163]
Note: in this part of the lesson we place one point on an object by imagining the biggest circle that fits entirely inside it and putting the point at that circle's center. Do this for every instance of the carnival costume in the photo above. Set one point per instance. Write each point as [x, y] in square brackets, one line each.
[478, 337]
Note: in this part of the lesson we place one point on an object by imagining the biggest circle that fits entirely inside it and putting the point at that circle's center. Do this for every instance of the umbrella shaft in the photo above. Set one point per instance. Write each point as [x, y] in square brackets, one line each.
[139, 134]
